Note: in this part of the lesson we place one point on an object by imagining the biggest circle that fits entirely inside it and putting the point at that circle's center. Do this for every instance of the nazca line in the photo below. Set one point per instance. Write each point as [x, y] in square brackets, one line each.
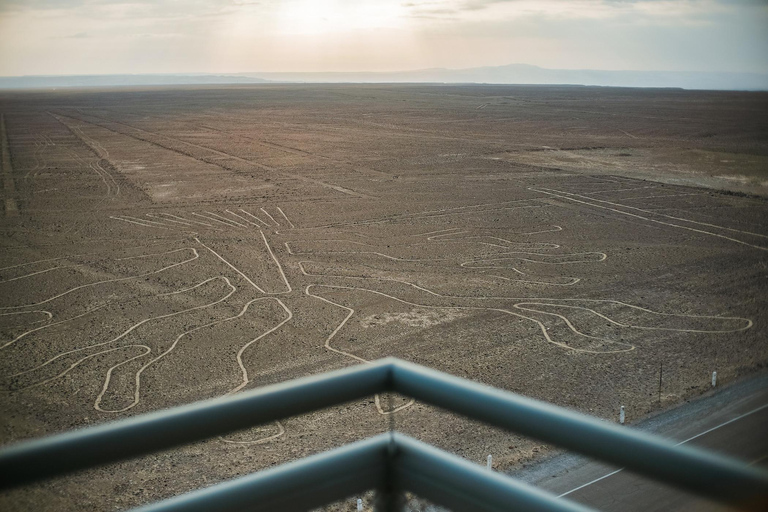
[232, 290]
[662, 214]
[433, 213]
[548, 302]
[194, 251]
[17, 338]
[328, 346]
[230, 266]
[559, 194]
[246, 380]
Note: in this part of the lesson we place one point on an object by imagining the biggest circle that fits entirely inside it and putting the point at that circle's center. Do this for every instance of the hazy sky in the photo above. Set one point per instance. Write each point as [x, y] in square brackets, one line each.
[173, 36]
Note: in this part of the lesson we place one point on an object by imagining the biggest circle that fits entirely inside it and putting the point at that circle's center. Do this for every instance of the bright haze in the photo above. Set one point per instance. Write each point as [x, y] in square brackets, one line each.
[92, 37]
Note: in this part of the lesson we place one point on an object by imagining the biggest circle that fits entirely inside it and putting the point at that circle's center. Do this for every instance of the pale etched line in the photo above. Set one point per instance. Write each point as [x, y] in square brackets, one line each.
[328, 346]
[630, 326]
[285, 217]
[542, 328]
[435, 232]
[623, 189]
[573, 281]
[20, 336]
[36, 273]
[601, 257]
[429, 214]
[279, 267]
[138, 223]
[241, 218]
[137, 325]
[387, 256]
[246, 378]
[194, 251]
[255, 217]
[137, 379]
[242, 350]
[559, 194]
[111, 178]
[524, 300]
[670, 217]
[187, 220]
[48, 313]
[226, 219]
[156, 216]
[230, 265]
[232, 225]
[84, 359]
[446, 236]
[271, 217]
[666, 195]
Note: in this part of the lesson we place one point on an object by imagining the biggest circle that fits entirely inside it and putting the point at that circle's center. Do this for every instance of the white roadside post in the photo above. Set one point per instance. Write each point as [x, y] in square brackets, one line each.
[714, 379]
[489, 463]
[621, 415]
[359, 505]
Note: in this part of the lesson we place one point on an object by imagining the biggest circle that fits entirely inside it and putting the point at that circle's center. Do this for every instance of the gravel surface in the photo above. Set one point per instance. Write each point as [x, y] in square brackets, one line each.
[163, 246]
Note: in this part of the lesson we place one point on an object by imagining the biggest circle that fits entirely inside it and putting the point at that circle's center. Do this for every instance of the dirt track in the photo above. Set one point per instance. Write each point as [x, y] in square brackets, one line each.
[165, 246]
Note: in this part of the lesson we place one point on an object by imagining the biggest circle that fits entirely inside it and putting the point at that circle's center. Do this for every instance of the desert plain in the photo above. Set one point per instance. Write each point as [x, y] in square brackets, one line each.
[162, 246]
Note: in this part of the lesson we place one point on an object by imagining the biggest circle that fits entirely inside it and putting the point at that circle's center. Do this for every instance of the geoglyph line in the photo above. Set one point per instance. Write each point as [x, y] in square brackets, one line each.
[119, 279]
[285, 217]
[132, 328]
[560, 195]
[230, 266]
[270, 217]
[327, 345]
[279, 267]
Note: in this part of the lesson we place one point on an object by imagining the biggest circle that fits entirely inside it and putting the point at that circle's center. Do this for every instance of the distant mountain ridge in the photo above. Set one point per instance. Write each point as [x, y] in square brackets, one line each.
[522, 74]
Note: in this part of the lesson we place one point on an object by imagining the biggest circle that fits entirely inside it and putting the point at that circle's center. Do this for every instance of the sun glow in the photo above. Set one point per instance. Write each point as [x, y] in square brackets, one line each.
[335, 16]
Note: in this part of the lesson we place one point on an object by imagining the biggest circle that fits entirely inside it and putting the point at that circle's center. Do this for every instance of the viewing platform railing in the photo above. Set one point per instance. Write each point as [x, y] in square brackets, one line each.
[390, 463]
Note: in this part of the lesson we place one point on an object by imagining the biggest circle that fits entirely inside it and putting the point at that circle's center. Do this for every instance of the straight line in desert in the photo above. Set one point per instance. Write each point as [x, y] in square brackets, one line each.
[561, 195]
[230, 265]
[119, 279]
[9, 187]
[277, 262]
[233, 157]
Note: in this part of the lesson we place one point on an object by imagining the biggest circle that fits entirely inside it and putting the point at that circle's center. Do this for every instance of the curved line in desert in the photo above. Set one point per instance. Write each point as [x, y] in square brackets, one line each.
[135, 326]
[194, 251]
[137, 378]
[280, 432]
[573, 281]
[22, 335]
[328, 346]
[36, 273]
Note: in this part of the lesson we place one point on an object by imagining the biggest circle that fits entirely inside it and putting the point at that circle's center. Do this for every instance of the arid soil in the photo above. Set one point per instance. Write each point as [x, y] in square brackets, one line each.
[163, 246]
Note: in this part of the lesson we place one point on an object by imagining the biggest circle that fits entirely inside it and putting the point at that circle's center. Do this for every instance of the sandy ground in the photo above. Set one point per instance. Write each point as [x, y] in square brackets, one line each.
[162, 246]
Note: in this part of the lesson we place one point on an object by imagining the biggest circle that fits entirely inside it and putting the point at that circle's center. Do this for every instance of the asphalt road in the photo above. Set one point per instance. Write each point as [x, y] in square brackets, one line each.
[733, 421]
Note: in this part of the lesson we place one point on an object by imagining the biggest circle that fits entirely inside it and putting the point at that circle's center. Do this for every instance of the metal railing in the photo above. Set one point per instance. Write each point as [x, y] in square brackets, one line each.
[390, 463]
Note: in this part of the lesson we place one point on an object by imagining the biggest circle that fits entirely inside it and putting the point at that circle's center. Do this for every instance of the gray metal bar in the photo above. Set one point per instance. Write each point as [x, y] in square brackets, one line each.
[704, 473]
[453, 482]
[300, 485]
[35, 460]
[692, 469]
